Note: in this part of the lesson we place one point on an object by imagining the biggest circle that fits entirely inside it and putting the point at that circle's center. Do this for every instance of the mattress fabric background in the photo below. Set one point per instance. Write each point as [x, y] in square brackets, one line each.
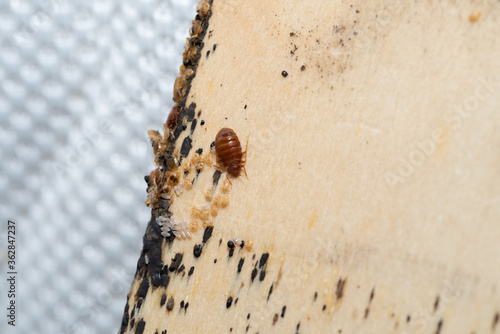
[81, 82]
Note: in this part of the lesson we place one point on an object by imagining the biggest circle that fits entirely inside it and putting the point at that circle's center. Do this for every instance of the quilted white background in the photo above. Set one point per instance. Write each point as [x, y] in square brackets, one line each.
[81, 82]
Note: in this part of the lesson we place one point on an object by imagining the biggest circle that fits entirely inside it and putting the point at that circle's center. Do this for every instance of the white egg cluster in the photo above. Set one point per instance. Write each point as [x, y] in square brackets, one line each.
[169, 225]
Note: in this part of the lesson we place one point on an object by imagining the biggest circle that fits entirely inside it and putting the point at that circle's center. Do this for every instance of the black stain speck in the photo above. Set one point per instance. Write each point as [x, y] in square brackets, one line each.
[439, 326]
[197, 250]
[340, 288]
[143, 288]
[263, 259]
[262, 275]
[270, 292]
[254, 274]
[240, 264]
[186, 146]
[176, 262]
[284, 74]
[216, 177]
[229, 302]
[140, 327]
[436, 304]
[207, 234]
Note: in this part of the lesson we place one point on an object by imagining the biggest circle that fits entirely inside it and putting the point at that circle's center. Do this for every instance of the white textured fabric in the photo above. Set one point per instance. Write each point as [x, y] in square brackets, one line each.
[81, 82]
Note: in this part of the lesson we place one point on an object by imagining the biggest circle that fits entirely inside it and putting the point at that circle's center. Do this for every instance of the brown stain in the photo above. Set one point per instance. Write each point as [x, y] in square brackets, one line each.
[312, 219]
[474, 16]
[339, 292]
[280, 273]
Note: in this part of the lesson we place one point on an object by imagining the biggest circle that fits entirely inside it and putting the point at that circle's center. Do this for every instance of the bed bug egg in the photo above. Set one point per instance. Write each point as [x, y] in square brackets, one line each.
[229, 152]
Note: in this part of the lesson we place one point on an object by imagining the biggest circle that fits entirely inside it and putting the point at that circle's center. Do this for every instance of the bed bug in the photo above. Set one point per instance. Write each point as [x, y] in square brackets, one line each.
[172, 118]
[229, 152]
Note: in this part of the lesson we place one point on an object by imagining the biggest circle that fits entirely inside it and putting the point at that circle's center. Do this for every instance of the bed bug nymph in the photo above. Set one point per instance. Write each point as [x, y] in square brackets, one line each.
[229, 152]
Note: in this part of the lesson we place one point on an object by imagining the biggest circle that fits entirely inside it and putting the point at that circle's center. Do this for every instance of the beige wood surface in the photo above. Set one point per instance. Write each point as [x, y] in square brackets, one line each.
[373, 172]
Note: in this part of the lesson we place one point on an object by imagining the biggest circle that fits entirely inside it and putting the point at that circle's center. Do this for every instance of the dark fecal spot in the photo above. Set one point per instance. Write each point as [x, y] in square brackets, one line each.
[197, 250]
[214, 47]
[186, 146]
[176, 262]
[215, 260]
[367, 312]
[216, 177]
[242, 244]
[262, 275]
[275, 318]
[140, 327]
[315, 296]
[208, 53]
[236, 301]
[283, 310]
[231, 252]
[436, 303]
[170, 304]
[340, 288]
[207, 234]
[143, 288]
[178, 130]
[191, 270]
[190, 111]
[303, 68]
[496, 319]
[247, 328]
[408, 318]
[254, 274]
[163, 299]
[240, 264]
[298, 326]
[181, 268]
[248, 316]
[186, 307]
[193, 125]
[263, 259]
[229, 302]
[124, 323]
[284, 74]
[245, 106]
[199, 151]
[202, 122]
[439, 325]
[324, 307]
[372, 294]
[182, 304]
[270, 292]
[230, 244]
[160, 278]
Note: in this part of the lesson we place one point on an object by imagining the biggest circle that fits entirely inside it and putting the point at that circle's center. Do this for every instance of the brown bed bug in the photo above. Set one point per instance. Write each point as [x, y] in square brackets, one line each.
[229, 152]
[172, 117]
